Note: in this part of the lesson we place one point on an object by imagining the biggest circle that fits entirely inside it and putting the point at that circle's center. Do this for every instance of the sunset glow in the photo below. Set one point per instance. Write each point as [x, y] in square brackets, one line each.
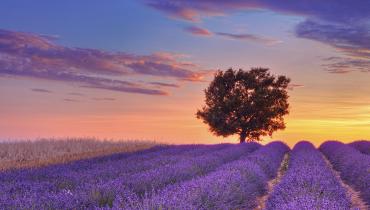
[137, 69]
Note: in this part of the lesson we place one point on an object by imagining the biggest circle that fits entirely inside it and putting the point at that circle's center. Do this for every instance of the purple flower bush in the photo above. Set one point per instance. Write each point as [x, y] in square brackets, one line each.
[354, 166]
[363, 146]
[234, 185]
[308, 183]
[222, 176]
[185, 169]
[130, 163]
[97, 183]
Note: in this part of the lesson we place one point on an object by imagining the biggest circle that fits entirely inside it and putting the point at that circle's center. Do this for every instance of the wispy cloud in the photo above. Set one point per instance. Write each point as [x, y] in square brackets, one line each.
[350, 39]
[353, 41]
[342, 65]
[249, 37]
[198, 31]
[104, 99]
[76, 94]
[38, 56]
[294, 86]
[193, 10]
[40, 90]
[345, 25]
[162, 84]
[71, 100]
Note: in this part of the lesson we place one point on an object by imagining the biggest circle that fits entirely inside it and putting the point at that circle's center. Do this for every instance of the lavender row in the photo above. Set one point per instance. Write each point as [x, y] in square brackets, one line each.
[142, 163]
[129, 189]
[68, 189]
[127, 163]
[309, 183]
[132, 187]
[59, 178]
[232, 186]
[354, 167]
[61, 185]
[363, 146]
[130, 163]
[64, 177]
[186, 168]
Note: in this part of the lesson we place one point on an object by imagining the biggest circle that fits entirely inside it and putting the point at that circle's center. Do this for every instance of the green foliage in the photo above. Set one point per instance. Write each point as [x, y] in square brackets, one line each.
[249, 103]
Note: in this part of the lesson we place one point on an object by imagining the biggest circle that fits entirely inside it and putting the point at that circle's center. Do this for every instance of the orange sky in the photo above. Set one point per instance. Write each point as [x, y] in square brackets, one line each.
[316, 116]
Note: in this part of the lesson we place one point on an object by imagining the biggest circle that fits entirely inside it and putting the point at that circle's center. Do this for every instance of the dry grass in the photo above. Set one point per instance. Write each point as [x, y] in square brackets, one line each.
[24, 154]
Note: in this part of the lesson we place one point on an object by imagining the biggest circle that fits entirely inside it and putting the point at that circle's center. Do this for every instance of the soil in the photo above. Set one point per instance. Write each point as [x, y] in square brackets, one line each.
[356, 201]
[261, 201]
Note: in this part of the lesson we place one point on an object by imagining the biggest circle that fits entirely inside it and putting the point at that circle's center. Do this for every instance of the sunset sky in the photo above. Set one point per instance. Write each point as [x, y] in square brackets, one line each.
[136, 69]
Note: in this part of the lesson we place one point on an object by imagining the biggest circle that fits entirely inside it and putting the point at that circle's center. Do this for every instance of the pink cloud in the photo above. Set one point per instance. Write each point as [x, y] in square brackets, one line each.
[163, 84]
[38, 56]
[198, 31]
[41, 90]
[104, 99]
[71, 100]
[294, 86]
[341, 24]
[249, 37]
[343, 65]
[193, 10]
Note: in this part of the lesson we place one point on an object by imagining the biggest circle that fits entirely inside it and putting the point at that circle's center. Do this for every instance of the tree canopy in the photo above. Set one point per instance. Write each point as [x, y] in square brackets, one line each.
[248, 103]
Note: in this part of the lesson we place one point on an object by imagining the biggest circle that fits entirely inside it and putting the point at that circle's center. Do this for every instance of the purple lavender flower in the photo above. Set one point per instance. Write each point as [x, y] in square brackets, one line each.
[363, 146]
[308, 183]
[90, 183]
[234, 185]
[354, 166]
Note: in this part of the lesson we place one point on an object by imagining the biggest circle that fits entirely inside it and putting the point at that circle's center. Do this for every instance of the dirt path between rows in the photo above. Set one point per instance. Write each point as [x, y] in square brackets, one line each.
[356, 201]
[261, 201]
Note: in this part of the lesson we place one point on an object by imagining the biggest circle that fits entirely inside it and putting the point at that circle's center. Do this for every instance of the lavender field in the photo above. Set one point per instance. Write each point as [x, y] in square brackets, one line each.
[222, 176]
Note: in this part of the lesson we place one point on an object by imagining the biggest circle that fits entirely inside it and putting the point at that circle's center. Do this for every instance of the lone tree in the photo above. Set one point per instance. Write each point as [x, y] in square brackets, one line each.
[249, 103]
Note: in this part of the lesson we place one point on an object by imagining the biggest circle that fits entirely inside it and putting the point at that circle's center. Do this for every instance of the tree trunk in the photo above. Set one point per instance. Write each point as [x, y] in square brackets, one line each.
[243, 136]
